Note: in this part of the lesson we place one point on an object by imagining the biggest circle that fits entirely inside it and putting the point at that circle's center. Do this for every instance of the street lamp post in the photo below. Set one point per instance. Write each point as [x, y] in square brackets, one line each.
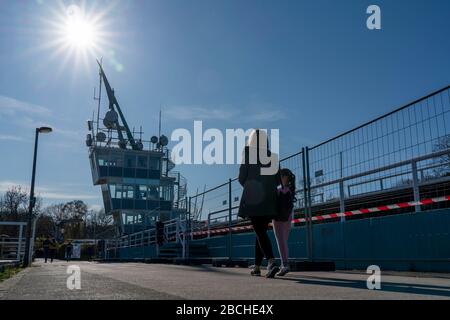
[26, 258]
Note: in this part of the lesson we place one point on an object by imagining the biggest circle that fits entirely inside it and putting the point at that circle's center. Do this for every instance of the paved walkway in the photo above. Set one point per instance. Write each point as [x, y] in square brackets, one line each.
[157, 281]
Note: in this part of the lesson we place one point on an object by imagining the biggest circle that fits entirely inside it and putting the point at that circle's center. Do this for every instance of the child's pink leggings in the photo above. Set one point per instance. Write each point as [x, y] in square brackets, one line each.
[281, 229]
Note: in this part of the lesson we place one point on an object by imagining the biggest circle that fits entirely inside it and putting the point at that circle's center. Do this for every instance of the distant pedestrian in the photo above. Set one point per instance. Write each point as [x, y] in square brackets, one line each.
[282, 223]
[259, 197]
[46, 247]
[90, 252]
[52, 248]
[69, 251]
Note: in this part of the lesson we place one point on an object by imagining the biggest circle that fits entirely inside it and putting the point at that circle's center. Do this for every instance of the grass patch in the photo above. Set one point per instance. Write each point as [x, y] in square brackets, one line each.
[8, 272]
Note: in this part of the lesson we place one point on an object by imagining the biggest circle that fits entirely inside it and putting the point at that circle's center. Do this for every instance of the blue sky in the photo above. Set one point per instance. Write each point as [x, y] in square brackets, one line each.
[310, 68]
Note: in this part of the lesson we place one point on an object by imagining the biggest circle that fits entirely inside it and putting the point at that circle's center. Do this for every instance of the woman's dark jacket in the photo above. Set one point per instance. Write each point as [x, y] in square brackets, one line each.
[259, 197]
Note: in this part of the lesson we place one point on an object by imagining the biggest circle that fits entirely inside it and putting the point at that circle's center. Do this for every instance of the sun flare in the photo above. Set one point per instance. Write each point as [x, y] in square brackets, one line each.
[78, 31]
[75, 36]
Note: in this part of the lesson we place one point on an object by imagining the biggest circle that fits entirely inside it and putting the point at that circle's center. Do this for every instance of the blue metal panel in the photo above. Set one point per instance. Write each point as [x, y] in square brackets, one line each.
[415, 241]
[138, 252]
[244, 245]
[217, 246]
[297, 243]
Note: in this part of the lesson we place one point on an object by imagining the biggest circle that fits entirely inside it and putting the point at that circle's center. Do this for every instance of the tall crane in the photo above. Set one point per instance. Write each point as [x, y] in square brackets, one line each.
[113, 102]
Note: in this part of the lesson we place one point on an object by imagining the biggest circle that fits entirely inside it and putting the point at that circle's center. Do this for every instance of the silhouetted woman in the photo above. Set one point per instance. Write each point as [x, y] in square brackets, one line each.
[260, 179]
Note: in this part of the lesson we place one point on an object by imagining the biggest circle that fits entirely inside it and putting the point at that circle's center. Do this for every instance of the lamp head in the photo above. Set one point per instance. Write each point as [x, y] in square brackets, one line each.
[45, 130]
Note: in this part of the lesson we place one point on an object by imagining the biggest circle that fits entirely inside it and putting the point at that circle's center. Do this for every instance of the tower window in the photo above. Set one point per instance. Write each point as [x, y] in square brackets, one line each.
[142, 162]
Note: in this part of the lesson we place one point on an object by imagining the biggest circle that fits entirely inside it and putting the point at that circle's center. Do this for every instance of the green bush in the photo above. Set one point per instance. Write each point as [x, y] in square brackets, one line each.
[8, 272]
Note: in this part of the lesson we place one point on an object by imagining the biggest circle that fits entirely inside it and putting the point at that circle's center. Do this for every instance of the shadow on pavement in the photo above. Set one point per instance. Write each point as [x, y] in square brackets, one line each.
[222, 270]
[419, 289]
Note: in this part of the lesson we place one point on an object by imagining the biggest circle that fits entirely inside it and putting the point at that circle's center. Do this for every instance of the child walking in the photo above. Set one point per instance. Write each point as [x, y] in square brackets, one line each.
[282, 224]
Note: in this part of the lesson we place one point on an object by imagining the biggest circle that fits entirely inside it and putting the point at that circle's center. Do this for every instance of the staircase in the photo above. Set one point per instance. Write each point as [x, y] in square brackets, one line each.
[174, 252]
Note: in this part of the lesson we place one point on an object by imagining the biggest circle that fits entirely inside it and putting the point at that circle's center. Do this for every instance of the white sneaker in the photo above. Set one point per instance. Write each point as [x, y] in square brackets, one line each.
[256, 271]
[283, 271]
[272, 269]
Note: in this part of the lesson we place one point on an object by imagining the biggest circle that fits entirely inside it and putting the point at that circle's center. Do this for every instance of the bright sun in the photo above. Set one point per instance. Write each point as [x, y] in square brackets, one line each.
[77, 35]
[79, 32]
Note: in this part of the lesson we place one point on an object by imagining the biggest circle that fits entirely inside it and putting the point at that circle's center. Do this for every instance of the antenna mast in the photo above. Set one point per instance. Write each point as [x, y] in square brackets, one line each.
[159, 131]
[99, 94]
[113, 102]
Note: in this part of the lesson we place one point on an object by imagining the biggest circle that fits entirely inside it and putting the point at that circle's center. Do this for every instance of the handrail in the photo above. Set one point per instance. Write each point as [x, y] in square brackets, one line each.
[11, 223]
[421, 170]
[225, 216]
[351, 177]
[388, 167]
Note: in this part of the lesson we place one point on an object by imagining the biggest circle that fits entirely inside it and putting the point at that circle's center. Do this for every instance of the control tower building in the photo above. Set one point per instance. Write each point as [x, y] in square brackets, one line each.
[139, 186]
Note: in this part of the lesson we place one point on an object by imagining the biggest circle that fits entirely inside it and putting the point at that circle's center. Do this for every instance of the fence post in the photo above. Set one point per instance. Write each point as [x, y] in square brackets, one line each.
[191, 236]
[341, 199]
[142, 245]
[230, 234]
[209, 225]
[19, 245]
[341, 188]
[180, 238]
[305, 199]
[305, 203]
[342, 206]
[188, 228]
[415, 179]
[309, 219]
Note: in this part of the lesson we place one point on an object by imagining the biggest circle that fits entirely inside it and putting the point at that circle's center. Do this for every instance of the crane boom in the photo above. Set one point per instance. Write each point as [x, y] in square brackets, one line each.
[113, 102]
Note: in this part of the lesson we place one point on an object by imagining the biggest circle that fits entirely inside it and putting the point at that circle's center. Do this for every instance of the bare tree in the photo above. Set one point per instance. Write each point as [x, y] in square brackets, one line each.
[45, 225]
[56, 212]
[103, 220]
[14, 207]
[75, 209]
[14, 203]
[99, 225]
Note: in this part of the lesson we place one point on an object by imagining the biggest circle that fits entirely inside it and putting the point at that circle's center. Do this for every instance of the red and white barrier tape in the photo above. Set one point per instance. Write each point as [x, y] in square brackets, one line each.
[341, 214]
